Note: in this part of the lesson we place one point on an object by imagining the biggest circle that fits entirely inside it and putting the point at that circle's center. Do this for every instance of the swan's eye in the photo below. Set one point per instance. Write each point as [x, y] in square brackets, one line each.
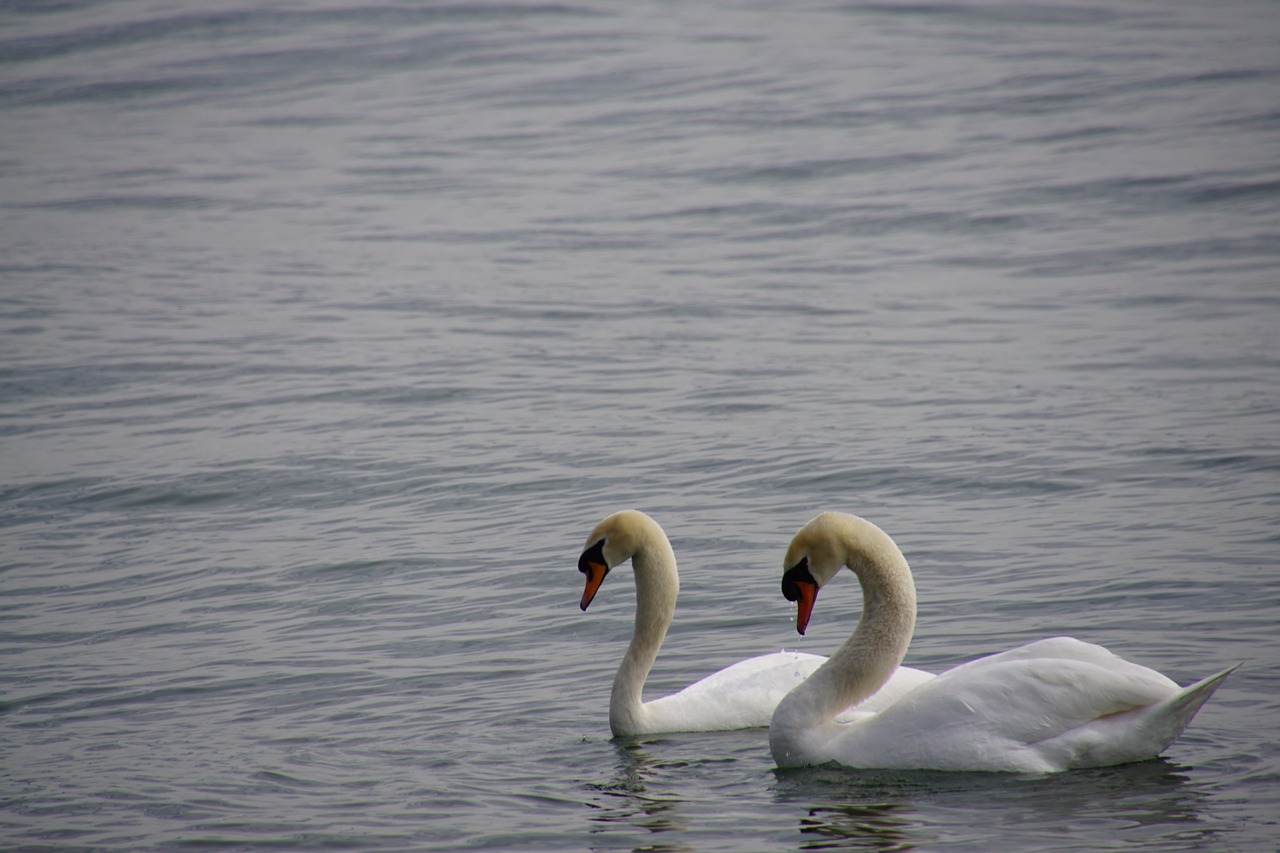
[797, 574]
[594, 554]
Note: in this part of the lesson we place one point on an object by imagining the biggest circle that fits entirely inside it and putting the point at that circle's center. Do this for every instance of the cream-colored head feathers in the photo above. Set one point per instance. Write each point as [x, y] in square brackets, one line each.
[624, 533]
[835, 539]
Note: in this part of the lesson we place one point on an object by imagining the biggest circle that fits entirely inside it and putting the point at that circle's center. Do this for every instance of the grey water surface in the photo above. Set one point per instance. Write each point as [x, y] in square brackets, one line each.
[328, 330]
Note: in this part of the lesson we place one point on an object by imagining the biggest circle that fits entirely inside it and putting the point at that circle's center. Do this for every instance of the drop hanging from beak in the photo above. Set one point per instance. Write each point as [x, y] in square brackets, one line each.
[799, 586]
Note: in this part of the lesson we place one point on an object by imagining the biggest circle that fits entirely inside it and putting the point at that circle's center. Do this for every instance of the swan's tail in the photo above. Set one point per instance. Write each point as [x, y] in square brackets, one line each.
[1173, 715]
[1136, 735]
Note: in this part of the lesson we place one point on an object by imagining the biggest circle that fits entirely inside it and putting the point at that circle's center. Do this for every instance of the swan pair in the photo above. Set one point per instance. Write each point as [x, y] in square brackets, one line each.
[1050, 705]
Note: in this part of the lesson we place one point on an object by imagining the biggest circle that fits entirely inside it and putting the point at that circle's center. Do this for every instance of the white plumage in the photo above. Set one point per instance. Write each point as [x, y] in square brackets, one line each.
[1050, 705]
[743, 695]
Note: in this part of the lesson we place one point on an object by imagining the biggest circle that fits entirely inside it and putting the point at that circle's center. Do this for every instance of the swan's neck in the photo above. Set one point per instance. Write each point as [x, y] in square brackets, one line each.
[657, 585]
[870, 656]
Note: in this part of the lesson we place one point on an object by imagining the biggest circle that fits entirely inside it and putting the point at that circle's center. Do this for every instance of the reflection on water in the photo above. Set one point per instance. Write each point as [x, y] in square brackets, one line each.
[1148, 793]
[872, 826]
[626, 800]
[890, 810]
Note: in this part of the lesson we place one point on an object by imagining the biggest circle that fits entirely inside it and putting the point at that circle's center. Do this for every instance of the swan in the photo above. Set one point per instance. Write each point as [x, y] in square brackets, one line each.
[740, 696]
[1051, 705]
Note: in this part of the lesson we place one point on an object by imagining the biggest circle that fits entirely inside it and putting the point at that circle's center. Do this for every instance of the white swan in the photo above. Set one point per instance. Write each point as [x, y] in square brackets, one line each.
[1043, 707]
[740, 696]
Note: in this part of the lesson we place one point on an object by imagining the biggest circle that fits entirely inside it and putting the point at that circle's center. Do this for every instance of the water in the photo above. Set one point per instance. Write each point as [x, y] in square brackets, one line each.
[330, 330]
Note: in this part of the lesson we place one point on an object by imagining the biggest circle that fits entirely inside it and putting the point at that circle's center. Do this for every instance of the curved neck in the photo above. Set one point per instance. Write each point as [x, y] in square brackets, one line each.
[657, 585]
[870, 656]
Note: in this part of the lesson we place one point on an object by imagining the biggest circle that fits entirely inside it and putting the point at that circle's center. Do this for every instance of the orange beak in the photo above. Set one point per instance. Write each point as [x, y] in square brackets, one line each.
[595, 573]
[804, 604]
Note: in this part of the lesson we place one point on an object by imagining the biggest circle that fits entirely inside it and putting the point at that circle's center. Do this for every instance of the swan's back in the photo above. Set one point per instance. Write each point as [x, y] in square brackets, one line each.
[744, 695]
[740, 696]
[1047, 706]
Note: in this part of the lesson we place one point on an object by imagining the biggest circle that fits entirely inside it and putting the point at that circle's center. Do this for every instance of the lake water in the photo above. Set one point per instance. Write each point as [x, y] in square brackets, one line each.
[329, 330]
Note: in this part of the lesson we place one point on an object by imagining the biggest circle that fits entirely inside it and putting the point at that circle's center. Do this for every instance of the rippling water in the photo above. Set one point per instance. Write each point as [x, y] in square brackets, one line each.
[330, 330]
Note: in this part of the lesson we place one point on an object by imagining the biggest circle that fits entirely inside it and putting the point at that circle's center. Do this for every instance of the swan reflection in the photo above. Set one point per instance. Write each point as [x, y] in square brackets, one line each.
[626, 801]
[903, 810]
[873, 826]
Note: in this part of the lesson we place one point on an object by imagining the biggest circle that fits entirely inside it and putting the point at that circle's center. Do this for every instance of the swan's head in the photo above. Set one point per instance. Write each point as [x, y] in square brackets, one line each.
[817, 553]
[810, 563]
[798, 584]
[614, 540]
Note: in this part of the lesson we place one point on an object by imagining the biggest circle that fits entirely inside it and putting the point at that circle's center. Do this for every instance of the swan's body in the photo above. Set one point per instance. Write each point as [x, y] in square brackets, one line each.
[1050, 705]
[740, 696]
